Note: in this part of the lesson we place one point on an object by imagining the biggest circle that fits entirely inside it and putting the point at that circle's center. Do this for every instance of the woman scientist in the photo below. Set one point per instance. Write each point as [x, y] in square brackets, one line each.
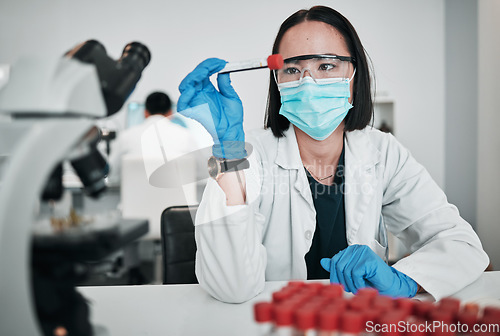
[315, 196]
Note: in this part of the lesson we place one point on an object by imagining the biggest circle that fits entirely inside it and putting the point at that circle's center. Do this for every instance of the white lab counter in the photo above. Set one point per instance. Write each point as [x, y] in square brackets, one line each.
[185, 310]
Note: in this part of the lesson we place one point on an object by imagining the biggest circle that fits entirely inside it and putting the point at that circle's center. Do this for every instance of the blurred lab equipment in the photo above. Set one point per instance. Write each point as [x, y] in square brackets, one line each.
[107, 137]
[4, 74]
[135, 114]
[53, 105]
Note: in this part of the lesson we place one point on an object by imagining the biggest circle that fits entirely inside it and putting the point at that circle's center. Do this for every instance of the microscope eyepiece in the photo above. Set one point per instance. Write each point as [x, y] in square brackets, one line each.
[86, 51]
[136, 55]
[117, 77]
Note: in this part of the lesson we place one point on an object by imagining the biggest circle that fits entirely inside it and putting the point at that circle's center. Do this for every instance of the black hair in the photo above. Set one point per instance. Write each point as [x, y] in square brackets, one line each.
[158, 103]
[361, 114]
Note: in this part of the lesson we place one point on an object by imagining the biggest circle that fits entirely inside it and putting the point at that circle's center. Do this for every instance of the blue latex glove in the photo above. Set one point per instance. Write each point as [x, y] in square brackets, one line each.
[220, 112]
[358, 266]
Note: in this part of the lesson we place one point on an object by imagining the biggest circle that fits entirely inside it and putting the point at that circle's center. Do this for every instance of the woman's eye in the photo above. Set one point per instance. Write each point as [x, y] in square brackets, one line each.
[326, 67]
[291, 71]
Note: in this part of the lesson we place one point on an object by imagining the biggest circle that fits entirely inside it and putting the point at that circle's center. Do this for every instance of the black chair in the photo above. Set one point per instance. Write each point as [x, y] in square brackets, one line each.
[178, 245]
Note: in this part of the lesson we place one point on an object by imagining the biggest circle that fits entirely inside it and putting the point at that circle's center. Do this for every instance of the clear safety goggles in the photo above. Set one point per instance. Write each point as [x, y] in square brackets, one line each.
[317, 66]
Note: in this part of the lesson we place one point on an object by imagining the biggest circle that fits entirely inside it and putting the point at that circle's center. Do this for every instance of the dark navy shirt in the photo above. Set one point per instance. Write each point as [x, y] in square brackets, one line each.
[330, 234]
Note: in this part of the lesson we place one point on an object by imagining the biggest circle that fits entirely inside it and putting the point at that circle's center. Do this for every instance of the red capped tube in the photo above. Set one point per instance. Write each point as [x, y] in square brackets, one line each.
[263, 312]
[273, 62]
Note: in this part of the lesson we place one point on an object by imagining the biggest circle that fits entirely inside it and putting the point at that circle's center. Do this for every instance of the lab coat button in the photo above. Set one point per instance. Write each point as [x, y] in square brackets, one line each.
[308, 235]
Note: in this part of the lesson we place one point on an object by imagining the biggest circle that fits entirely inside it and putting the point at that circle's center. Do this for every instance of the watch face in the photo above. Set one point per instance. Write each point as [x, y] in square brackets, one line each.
[213, 167]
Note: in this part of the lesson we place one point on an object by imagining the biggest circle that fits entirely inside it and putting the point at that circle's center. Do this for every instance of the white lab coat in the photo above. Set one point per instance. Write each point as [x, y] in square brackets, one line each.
[175, 141]
[240, 247]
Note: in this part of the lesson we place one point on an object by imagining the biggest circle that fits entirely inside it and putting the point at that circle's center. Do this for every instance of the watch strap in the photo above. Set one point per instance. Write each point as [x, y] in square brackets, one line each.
[233, 165]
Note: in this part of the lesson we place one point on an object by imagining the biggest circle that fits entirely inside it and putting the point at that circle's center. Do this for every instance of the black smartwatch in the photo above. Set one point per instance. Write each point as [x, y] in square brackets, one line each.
[217, 167]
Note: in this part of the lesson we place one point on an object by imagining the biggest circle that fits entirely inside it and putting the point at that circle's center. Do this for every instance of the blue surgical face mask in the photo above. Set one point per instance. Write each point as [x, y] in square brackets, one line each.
[318, 106]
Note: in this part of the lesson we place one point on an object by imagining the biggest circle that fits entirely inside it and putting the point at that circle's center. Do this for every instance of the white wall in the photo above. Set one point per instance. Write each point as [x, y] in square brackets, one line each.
[488, 200]
[461, 94]
[180, 34]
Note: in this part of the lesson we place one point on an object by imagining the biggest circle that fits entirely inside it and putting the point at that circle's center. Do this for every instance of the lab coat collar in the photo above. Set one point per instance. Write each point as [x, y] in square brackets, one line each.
[154, 118]
[288, 156]
[360, 150]
[361, 157]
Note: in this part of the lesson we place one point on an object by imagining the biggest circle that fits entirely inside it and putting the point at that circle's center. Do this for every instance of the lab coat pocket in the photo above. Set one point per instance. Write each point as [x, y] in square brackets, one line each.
[380, 243]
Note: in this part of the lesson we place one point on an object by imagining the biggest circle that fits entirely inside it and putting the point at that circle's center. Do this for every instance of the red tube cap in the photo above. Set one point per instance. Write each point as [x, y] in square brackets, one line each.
[359, 303]
[333, 291]
[467, 318]
[283, 315]
[305, 318]
[295, 283]
[405, 305]
[423, 308]
[281, 295]
[328, 319]
[492, 311]
[471, 307]
[368, 292]
[275, 62]
[383, 302]
[444, 316]
[450, 304]
[263, 312]
[351, 322]
[372, 315]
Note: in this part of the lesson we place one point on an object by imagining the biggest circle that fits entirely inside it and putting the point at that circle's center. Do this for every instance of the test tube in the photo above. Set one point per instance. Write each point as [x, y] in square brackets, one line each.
[492, 311]
[471, 307]
[328, 321]
[440, 315]
[338, 303]
[359, 303]
[273, 62]
[422, 308]
[263, 313]
[295, 284]
[450, 304]
[367, 292]
[405, 305]
[333, 291]
[283, 319]
[351, 323]
[316, 286]
[281, 295]
[305, 321]
[383, 302]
